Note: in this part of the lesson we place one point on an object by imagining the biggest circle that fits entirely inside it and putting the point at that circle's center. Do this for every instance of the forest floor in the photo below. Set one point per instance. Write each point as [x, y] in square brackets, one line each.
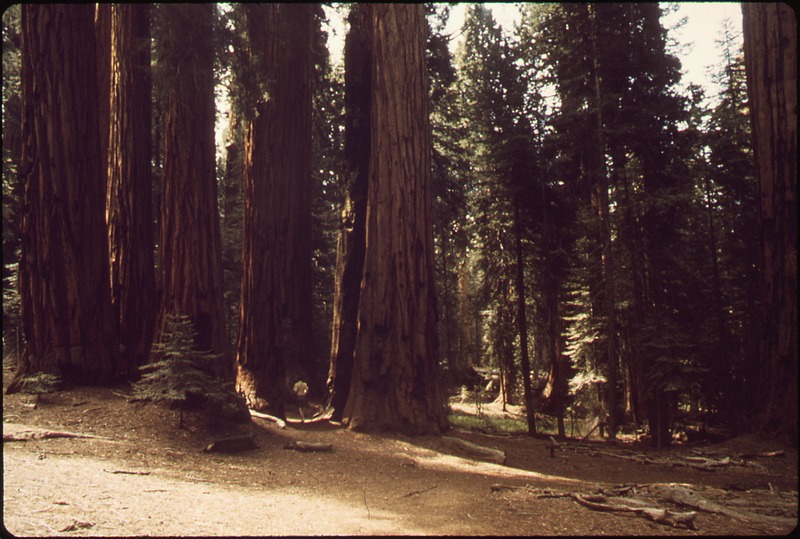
[140, 475]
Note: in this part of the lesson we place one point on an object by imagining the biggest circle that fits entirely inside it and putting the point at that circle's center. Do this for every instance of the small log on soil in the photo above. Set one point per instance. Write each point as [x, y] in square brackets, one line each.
[471, 450]
[661, 516]
[307, 447]
[231, 445]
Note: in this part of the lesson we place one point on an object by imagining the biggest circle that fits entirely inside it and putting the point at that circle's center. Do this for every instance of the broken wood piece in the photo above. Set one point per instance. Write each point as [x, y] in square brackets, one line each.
[307, 447]
[661, 516]
[231, 445]
[472, 450]
[277, 420]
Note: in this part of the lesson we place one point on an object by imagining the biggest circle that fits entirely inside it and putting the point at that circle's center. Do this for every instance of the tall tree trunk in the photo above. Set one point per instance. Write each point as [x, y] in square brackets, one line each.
[129, 202]
[102, 25]
[190, 271]
[351, 245]
[600, 176]
[275, 338]
[522, 326]
[770, 47]
[395, 380]
[65, 299]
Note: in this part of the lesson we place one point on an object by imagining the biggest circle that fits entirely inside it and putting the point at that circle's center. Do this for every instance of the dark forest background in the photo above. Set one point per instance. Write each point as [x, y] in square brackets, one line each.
[548, 204]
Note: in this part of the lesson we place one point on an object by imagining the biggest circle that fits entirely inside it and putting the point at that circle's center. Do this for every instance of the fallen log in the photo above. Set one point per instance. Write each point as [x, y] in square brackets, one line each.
[471, 450]
[306, 447]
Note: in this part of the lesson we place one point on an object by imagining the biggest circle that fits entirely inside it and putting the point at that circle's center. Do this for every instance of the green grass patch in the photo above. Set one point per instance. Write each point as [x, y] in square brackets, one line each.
[484, 422]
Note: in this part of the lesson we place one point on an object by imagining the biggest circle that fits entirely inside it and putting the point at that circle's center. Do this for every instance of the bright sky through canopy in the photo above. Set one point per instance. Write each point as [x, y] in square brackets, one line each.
[698, 35]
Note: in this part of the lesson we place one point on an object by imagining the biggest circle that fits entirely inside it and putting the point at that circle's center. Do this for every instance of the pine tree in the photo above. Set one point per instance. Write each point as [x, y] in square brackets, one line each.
[179, 375]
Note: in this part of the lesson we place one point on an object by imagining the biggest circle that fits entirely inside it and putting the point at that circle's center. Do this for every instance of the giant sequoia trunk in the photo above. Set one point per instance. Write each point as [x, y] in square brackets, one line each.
[190, 269]
[395, 382]
[129, 211]
[102, 27]
[770, 47]
[275, 336]
[351, 242]
[65, 300]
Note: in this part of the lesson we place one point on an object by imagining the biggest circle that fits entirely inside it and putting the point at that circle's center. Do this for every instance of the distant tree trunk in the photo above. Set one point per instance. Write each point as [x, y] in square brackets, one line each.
[351, 245]
[522, 326]
[600, 194]
[770, 47]
[275, 338]
[129, 202]
[395, 380]
[190, 271]
[65, 299]
[233, 222]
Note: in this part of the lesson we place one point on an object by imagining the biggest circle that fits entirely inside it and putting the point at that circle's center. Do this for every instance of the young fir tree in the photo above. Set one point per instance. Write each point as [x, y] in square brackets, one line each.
[180, 377]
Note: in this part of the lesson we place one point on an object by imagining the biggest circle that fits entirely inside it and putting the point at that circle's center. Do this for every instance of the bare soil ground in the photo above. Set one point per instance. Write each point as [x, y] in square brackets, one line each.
[142, 476]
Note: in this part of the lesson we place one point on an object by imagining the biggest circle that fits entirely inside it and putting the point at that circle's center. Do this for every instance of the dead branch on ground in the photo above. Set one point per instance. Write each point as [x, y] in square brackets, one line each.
[419, 491]
[661, 516]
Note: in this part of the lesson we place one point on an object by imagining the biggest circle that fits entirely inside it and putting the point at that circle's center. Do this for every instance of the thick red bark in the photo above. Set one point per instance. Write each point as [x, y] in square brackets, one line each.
[129, 211]
[66, 303]
[770, 47]
[395, 381]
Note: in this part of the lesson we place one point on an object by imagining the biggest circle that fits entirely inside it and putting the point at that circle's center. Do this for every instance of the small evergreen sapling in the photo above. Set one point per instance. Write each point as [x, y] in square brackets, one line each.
[179, 376]
[39, 384]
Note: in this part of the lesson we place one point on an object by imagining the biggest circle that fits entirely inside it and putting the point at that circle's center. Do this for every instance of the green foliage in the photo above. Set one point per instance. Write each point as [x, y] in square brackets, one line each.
[179, 376]
[487, 423]
[12, 184]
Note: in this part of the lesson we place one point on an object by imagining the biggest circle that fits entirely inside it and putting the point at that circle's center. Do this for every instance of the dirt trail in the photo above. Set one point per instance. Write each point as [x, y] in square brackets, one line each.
[369, 484]
[44, 497]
